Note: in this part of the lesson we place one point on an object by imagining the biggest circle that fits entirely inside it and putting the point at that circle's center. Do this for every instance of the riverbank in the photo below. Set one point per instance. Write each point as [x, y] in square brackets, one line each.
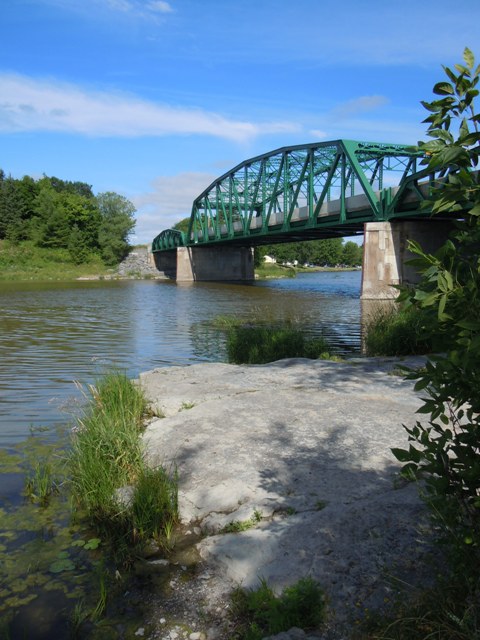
[26, 262]
[285, 471]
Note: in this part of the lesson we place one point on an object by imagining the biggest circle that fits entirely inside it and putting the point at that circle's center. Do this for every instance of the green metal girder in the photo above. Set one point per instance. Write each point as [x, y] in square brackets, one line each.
[168, 239]
[309, 187]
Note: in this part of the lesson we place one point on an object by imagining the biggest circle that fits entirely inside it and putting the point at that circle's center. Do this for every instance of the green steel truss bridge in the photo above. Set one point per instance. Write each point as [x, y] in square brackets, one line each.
[318, 190]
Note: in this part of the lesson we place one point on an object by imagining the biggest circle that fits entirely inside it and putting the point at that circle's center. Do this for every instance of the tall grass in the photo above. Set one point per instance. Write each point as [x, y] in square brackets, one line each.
[448, 611]
[262, 344]
[398, 332]
[107, 455]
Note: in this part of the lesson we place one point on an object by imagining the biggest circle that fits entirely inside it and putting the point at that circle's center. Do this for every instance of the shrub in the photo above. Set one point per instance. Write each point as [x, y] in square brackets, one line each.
[446, 452]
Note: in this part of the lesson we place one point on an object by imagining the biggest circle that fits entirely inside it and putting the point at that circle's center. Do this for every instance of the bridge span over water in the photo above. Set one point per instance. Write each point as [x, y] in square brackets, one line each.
[304, 192]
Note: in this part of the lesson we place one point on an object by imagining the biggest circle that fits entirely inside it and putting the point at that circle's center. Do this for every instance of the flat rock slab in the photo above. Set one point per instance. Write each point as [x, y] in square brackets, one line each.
[301, 450]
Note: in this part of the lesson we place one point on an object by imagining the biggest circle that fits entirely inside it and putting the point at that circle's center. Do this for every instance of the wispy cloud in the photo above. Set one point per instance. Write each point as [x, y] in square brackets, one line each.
[169, 201]
[160, 6]
[36, 105]
[363, 104]
[134, 8]
[318, 134]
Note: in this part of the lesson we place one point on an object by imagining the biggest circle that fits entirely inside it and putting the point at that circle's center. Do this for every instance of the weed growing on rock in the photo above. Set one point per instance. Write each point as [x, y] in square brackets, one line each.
[236, 526]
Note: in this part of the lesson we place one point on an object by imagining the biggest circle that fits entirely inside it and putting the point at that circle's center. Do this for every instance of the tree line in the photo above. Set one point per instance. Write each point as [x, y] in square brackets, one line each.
[329, 252]
[60, 214]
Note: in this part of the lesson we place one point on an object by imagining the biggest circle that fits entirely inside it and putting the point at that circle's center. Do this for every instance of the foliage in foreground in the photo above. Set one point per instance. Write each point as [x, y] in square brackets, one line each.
[262, 344]
[446, 452]
[449, 611]
[107, 456]
[260, 612]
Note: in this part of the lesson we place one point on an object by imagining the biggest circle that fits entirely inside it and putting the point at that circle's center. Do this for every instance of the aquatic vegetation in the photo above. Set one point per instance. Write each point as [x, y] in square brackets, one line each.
[247, 344]
[42, 483]
[107, 456]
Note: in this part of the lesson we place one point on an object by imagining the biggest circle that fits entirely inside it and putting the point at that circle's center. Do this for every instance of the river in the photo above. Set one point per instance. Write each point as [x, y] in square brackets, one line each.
[53, 334]
[52, 576]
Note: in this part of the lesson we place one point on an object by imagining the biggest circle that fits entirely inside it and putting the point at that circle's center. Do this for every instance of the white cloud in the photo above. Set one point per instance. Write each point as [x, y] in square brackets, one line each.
[318, 134]
[169, 201]
[36, 105]
[363, 104]
[160, 6]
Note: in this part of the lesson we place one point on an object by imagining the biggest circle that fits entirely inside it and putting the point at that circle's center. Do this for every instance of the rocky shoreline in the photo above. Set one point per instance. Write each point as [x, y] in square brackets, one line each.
[298, 453]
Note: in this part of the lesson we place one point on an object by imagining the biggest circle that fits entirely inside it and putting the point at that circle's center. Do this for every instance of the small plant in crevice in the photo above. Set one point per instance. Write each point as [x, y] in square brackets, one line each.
[259, 612]
[237, 526]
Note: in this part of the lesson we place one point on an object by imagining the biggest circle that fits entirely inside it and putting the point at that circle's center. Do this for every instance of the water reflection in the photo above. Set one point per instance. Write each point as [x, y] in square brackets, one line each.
[55, 333]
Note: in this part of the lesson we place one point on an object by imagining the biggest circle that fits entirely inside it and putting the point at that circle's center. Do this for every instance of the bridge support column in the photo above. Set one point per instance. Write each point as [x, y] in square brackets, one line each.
[385, 253]
[202, 264]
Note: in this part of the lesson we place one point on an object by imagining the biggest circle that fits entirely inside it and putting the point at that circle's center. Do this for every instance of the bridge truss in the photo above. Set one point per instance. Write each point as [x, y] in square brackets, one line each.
[318, 190]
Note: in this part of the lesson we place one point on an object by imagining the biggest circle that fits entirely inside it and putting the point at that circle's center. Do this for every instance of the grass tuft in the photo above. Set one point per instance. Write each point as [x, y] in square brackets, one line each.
[260, 613]
[107, 455]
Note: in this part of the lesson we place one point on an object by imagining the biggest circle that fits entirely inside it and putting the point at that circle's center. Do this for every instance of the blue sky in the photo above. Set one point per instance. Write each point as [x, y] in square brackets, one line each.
[154, 99]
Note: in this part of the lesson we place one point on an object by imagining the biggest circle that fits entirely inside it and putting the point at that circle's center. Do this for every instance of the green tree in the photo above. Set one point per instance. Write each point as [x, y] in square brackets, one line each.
[328, 252]
[351, 254]
[10, 205]
[49, 227]
[116, 223]
[182, 225]
[446, 451]
[82, 213]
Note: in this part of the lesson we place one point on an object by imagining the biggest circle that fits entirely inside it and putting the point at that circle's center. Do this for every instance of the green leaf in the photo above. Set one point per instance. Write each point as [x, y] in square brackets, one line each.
[471, 325]
[93, 543]
[442, 316]
[443, 88]
[450, 74]
[442, 134]
[421, 384]
[401, 455]
[461, 69]
[468, 58]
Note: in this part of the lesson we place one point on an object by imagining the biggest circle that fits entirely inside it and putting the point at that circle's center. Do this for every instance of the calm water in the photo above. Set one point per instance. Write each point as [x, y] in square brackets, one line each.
[54, 334]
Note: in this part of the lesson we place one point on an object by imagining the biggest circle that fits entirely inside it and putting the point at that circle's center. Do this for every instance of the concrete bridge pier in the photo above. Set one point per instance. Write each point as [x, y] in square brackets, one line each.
[202, 264]
[386, 251]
